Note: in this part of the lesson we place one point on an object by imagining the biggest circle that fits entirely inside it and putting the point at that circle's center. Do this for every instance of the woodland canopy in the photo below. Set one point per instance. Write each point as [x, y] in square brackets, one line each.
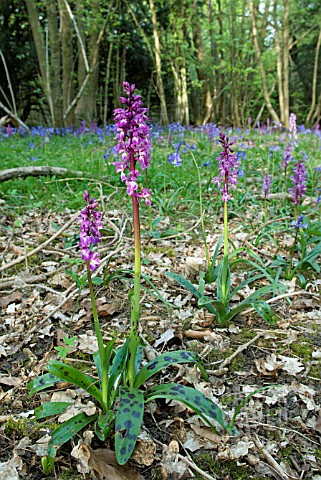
[230, 62]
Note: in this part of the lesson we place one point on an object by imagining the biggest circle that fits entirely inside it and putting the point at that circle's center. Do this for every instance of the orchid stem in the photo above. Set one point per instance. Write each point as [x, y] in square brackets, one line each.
[225, 258]
[101, 348]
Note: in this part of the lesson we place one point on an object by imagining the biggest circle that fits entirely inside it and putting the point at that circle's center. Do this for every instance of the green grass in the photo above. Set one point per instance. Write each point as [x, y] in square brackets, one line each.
[175, 189]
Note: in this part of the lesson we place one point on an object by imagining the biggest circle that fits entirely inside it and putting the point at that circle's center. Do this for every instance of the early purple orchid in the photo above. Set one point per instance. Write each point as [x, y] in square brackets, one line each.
[292, 126]
[228, 168]
[133, 145]
[90, 226]
[266, 188]
[299, 181]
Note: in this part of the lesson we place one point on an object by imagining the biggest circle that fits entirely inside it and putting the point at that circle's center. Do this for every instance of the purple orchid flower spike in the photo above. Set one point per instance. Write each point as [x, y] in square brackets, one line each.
[266, 188]
[133, 145]
[228, 168]
[90, 226]
[299, 181]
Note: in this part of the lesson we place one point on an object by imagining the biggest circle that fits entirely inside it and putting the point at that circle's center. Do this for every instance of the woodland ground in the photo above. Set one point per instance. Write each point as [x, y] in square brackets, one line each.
[41, 305]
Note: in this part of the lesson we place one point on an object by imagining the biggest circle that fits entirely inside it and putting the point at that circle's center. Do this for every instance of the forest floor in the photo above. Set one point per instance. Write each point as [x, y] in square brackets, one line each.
[40, 306]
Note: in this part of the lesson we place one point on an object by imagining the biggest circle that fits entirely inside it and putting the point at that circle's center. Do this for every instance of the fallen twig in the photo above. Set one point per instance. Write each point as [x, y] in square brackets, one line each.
[284, 295]
[273, 463]
[195, 467]
[23, 172]
[40, 247]
[240, 349]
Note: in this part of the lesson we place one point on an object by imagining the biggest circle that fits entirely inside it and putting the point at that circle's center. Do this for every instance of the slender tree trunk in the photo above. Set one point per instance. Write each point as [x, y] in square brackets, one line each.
[158, 64]
[222, 72]
[38, 37]
[266, 94]
[286, 45]
[214, 58]
[279, 61]
[315, 78]
[107, 77]
[205, 100]
[55, 62]
[67, 63]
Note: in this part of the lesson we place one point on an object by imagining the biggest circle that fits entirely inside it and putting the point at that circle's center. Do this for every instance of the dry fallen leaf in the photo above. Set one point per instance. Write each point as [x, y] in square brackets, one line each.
[103, 464]
[291, 365]
[268, 366]
[145, 450]
[11, 381]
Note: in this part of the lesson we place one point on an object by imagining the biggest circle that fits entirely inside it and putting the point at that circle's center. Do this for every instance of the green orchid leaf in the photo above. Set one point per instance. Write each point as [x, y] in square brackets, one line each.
[224, 284]
[218, 307]
[103, 425]
[129, 419]
[265, 311]
[194, 399]
[244, 283]
[201, 282]
[235, 311]
[213, 268]
[69, 374]
[189, 286]
[97, 280]
[263, 291]
[68, 429]
[117, 370]
[51, 408]
[107, 355]
[243, 402]
[163, 361]
[40, 383]
[48, 462]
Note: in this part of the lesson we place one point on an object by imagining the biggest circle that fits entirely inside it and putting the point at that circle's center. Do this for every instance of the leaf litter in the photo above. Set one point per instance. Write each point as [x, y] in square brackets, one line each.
[42, 308]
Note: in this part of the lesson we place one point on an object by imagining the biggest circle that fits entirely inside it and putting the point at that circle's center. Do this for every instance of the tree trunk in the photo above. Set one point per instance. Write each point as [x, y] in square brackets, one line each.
[279, 61]
[266, 94]
[286, 113]
[55, 62]
[37, 33]
[314, 81]
[67, 63]
[158, 65]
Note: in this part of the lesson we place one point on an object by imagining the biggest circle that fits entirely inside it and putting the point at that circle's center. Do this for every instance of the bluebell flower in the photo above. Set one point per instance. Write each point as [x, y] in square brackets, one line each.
[175, 159]
[206, 164]
[31, 145]
[299, 223]
[240, 155]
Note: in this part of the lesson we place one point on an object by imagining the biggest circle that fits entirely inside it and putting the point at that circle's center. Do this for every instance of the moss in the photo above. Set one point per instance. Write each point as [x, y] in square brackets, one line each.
[317, 454]
[228, 469]
[69, 474]
[169, 252]
[315, 371]
[157, 474]
[21, 427]
[287, 451]
[228, 400]
[302, 349]
[238, 363]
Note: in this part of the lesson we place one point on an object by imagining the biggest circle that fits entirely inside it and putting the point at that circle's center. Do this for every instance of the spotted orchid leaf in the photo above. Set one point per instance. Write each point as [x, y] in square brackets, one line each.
[69, 374]
[194, 399]
[104, 424]
[68, 429]
[129, 419]
[163, 361]
[51, 408]
[40, 383]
